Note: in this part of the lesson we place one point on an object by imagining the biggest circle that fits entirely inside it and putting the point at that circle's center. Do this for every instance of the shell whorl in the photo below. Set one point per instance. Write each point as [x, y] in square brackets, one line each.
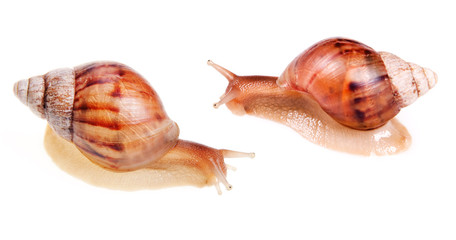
[409, 81]
[50, 96]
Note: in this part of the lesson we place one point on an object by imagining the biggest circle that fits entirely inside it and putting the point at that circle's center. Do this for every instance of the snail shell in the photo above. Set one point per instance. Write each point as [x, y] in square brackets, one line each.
[354, 84]
[107, 110]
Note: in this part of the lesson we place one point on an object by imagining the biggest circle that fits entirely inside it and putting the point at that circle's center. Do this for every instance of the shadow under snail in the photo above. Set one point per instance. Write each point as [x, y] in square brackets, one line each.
[115, 118]
[339, 93]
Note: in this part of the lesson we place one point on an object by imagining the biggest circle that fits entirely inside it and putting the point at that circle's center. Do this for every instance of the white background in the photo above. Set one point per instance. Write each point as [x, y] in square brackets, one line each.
[292, 189]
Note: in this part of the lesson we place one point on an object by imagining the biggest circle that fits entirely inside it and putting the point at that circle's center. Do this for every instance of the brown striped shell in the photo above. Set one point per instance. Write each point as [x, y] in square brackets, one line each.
[354, 84]
[106, 109]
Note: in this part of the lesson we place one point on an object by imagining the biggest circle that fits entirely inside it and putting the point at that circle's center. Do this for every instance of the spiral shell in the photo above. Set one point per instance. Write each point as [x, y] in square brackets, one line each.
[354, 84]
[111, 114]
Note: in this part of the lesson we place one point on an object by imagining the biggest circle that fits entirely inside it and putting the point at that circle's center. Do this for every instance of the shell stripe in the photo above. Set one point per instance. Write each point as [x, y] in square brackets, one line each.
[114, 146]
[98, 123]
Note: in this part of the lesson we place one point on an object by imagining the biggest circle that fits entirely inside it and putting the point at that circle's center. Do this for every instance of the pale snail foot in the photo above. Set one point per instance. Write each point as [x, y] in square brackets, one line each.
[68, 158]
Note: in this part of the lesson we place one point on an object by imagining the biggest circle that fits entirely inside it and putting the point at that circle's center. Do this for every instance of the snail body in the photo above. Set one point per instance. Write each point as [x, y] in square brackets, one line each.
[116, 119]
[332, 93]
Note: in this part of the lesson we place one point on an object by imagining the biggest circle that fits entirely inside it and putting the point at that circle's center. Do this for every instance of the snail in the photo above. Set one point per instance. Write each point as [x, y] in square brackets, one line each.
[332, 93]
[116, 119]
